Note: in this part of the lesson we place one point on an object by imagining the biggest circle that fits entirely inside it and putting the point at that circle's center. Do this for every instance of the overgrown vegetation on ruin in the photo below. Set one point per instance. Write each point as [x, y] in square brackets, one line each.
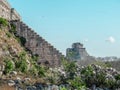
[17, 59]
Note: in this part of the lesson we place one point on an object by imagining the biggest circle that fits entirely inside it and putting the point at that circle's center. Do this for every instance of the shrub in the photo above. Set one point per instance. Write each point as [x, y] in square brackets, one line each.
[87, 75]
[110, 84]
[3, 22]
[70, 69]
[117, 77]
[21, 40]
[13, 28]
[33, 71]
[77, 83]
[8, 34]
[41, 71]
[21, 64]
[100, 78]
[9, 66]
[22, 55]
[63, 88]
[35, 58]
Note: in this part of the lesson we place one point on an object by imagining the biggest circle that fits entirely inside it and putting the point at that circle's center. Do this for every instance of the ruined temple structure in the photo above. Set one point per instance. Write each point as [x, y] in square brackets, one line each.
[34, 42]
[77, 52]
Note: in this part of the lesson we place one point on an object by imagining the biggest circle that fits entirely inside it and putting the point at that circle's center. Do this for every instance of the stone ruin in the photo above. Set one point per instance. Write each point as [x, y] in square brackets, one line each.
[34, 42]
[77, 53]
[7, 12]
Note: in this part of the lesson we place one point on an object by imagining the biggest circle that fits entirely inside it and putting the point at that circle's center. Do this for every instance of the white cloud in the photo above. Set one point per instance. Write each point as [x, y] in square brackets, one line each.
[110, 39]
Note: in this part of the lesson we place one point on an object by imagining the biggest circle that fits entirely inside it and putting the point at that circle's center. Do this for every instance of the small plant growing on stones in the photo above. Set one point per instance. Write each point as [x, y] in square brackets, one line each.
[9, 66]
[13, 28]
[3, 22]
[21, 64]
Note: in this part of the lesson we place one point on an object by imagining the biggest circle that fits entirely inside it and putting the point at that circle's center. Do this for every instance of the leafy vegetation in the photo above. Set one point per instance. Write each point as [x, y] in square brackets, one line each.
[21, 64]
[9, 66]
[8, 34]
[3, 22]
[21, 40]
[77, 83]
[13, 28]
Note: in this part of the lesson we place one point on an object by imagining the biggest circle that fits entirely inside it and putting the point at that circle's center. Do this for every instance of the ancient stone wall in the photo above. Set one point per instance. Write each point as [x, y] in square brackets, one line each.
[7, 12]
[35, 43]
[38, 45]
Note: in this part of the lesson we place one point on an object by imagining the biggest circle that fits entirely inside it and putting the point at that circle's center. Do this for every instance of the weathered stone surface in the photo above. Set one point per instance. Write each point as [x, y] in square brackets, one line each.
[2, 67]
[38, 45]
[11, 83]
[1, 73]
[35, 43]
[7, 12]
[14, 73]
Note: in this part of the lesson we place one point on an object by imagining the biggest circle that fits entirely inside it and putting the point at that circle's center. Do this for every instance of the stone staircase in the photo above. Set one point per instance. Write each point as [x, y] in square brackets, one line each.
[38, 45]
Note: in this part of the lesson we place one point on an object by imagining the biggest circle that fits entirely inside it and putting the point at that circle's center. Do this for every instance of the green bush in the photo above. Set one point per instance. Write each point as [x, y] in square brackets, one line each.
[110, 84]
[21, 40]
[33, 71]
[117, 77]
[21, 64]
[41, 71]
[9, 66]
[35, 58]
[88, 75]
[63, 88]
[13, 28]
[8, 34]
[3, 22]
[22, 55]
[70, 69]
[77, 83]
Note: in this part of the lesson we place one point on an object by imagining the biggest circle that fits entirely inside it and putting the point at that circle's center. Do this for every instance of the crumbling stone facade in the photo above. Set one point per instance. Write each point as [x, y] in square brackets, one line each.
[7, 12]
[38, 45]
[34, 42]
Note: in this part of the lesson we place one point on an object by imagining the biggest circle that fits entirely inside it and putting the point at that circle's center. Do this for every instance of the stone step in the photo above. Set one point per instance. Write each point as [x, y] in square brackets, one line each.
[42, 43]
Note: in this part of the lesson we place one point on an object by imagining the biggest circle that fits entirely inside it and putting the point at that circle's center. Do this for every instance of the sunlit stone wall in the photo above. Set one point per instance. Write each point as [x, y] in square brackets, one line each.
[7, 12]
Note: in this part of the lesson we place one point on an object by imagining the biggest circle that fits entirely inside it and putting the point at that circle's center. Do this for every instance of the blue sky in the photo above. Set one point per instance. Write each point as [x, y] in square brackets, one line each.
[95, 23]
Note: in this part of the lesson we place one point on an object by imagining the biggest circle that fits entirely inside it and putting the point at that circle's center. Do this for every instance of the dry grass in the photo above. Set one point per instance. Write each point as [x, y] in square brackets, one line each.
[6, 87]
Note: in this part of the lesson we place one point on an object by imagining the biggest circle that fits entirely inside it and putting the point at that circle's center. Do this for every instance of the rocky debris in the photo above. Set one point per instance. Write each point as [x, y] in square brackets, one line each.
[27, 79]
[1, 73]
[32, 88]
[2, 67]
[18, 78]
[55, 87]
[11, 83]
[91, 71]
[13, 51]
[13, 73]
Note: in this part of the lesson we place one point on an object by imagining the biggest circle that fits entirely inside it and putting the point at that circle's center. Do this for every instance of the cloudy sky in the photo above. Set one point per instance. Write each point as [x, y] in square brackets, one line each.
[95, 23]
